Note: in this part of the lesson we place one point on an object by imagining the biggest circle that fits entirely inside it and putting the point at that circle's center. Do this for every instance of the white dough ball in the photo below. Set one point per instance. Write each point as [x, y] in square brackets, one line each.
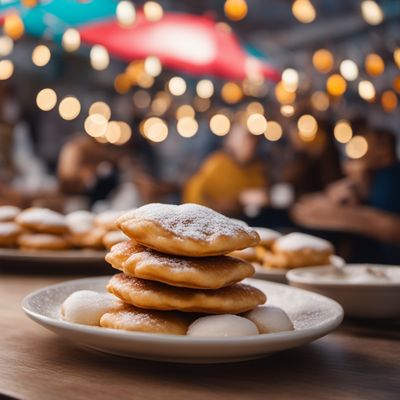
[87, 307]
[269, 319]
[222, 325]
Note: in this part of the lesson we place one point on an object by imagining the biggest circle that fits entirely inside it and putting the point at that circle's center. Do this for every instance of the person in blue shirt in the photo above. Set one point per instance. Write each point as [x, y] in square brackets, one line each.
[365, 205]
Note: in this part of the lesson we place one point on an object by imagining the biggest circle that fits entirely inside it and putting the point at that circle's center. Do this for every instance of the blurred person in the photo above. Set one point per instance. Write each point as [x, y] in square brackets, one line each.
[227, 174]
[366, 203]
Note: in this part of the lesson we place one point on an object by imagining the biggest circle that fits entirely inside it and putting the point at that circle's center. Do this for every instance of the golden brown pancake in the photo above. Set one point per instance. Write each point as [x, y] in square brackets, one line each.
[141, 293]
[42, 220]
[186, 230]
[42, 241]
[9, 233]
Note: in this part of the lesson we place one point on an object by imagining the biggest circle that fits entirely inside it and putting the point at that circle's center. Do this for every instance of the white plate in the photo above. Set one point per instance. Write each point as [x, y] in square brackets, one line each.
[313, 316]
[372, 299]
[56, 256]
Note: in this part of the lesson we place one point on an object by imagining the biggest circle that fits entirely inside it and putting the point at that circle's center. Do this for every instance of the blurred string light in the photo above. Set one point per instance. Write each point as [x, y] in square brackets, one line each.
[287, 110]
[273, 132]
[6, 46]
[323, 61]
[320, 101]
[349, 70]
[71, 40]
[374, 64]
[177, 86]
[141, 99]
[145, 80]
[126, 14]
[343, 131]
[155, 129]
[255, 108]
[371, 12]
[102, 108]
[304, 11]
[256, 124]
[41, 55]
[307, 126]
[126, 132]
[6, 69]
[396, 57]
[69, 108]
[290, 79]
[122, 83]
[185, 111]
[205, 89]
[113, 132]
[220, 124]
[201, 104]
[153, 11]
[99, 57]
[357, 147]
[95, 125]
[389, 100]
[187, 127]
[231, 92]
[152, 66]
[366, 90]
[13, 26]
[282, 95]
[161, 103]
[336, 85]
[46, 99]
[29, 3]
[235, 10]
[396, 84]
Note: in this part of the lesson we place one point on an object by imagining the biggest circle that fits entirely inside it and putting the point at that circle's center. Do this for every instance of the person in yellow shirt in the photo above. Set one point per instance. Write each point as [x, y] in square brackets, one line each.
[228, 174]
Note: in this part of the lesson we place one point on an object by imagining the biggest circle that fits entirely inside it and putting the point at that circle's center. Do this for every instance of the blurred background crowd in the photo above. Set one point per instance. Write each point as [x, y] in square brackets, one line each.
[281, 113]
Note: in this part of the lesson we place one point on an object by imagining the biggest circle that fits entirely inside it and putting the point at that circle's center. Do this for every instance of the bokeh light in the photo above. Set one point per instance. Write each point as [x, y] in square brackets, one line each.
[273, 132]
[349, 70]
[113, 132]
[371, 12]
[205, 89]
[6, 69]
[71, 40]
[290, 79]
[220, 124]
[366, 90]
[69, 108]
[320, 101]
[187, 127]
[185, 110]
[357, 147]
[122, 83]
[141, 99]
[256, 124]
[323, 60]
[200, 104]
[152, 66]
[284, 96]
[6, 46]
[374, 64]
[336, 85]
[231, 92]
[307, 126]
[396, 84]
[235, 10]
[95, 125]
[161, 103]
[304, 11]
[177, 86]
[41, 55]
[46, 99]
[255, 108]
[343, 131]
[13, 26]
[102, 108]
[389, 100]
[99, 57]
[396, 56]
[126, 132]
[287, 110]
[153, 11]
[155, 129]
[126, 13]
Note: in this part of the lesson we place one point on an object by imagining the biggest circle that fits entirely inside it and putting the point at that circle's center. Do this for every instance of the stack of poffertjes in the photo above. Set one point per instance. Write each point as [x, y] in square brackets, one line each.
[43, 229]
[177, 279]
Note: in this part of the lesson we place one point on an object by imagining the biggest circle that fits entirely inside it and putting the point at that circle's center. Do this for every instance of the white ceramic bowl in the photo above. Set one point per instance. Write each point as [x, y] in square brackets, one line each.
[359, 297]
[312, 315]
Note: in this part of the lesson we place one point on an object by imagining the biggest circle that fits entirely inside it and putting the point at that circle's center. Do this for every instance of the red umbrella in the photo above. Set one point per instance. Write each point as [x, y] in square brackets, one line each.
[190, 43]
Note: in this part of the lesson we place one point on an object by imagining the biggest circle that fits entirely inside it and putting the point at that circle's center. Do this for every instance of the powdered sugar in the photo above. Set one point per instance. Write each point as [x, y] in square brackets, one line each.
[9, 228]
[80, 221]
[267, 235]
[41, 216]
[189, 221]
[297, 241]
[8, 213]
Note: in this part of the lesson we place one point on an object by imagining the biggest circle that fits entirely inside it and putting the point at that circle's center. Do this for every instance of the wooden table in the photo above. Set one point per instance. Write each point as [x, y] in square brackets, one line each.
[358, 361]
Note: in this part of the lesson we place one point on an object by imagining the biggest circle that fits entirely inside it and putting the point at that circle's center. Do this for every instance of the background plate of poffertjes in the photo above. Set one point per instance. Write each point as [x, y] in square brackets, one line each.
[313, 316]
